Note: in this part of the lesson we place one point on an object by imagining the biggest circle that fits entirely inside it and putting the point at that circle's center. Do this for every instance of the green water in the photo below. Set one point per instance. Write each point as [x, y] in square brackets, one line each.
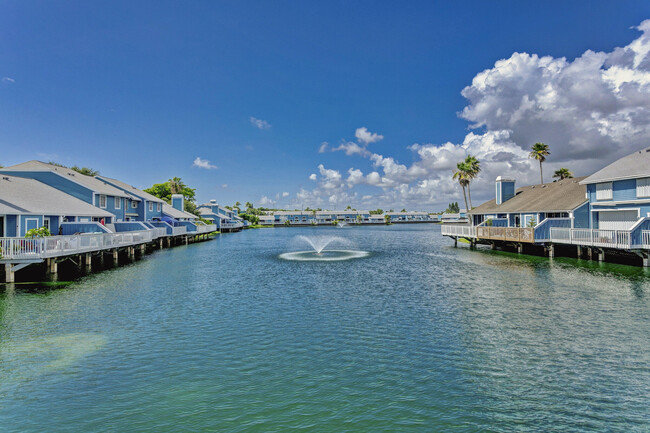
[414, 336]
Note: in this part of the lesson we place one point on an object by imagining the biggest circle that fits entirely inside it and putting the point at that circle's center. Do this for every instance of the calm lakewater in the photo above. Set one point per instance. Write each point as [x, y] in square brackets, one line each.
[417, 336]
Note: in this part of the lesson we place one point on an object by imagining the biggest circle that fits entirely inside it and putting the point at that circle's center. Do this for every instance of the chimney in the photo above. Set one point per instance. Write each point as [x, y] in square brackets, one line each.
[178, 202]
[505, 189]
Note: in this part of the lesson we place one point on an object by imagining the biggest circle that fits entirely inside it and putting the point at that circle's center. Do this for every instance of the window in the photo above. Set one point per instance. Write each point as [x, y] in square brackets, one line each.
[118, 202]
[150, 206]
[46, 223]
[158, 207]
[643, 187]
[134, 204]
[604, 191]
[102, 201]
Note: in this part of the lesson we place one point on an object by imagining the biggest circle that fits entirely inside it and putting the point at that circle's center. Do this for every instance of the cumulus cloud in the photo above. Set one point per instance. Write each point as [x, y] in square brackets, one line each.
[366, 137]
[313, 176]
[259, 123]
[265, 201]
[203, 163]
[285, 194]
[590, 110]
[323, 147]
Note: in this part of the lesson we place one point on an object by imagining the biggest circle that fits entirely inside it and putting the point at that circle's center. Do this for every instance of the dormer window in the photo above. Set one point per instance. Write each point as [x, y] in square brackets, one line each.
[604, 191]
[643, 187]
[102, 201]
[118, 202]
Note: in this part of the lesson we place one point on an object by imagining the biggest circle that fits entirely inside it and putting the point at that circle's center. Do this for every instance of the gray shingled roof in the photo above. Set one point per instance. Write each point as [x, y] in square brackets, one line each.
[175, 213]
[131, 189]
[96, 185]
[19, 195]
[561, 196]
[629, 167]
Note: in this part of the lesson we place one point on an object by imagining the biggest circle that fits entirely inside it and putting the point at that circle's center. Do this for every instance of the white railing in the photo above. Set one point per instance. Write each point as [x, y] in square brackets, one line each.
[458, 230]
[55, 246]
[180, 230]
[592, 237]
[207, 228]
[159, 232]
[645, 238]
[231, 225]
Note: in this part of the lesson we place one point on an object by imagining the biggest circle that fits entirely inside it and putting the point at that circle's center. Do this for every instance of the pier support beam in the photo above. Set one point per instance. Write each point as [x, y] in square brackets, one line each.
[187, 240]
[590, 253]
[520, 248]
[493, 245]
[455, 242]
[551, 251]
[143, 249]
[601, 255]
[88, 260]
[52, 266]
[161, 243]
[645, 256]
[116, 257]
[10, 275]
[579, 252]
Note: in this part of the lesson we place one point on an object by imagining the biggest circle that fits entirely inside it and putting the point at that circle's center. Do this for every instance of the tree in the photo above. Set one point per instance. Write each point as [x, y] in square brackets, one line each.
[165, 190]
[473, 167]
[249, 205]
[377, 212]
[348, 208]
[461, 174]
[563, 173]
[539, 152]
[387, 219]
[453, 208]
[85, 170]
[403, 210]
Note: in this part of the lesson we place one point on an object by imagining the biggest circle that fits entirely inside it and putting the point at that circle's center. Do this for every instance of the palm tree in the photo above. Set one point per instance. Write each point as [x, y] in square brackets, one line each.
[540, 152]
[563, 173]
[473, 169]
[175, 185]
[461, 175]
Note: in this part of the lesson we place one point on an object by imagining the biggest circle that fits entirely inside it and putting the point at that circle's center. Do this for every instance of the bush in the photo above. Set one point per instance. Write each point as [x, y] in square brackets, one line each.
[38, 233]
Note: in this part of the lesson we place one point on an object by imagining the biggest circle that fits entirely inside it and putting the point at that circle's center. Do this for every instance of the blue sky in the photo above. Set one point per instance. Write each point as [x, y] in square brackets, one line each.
[140, 90]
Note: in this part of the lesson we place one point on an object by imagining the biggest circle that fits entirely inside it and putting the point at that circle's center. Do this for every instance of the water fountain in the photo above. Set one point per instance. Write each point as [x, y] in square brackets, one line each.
[319, 253]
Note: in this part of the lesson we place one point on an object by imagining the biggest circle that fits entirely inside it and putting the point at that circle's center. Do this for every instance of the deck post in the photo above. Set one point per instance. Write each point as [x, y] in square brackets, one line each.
[579, 248]
[116, 257]
[601, 255]
[143, 249]
[551, 251]
[590, 253]
[169, 241]
[520, 248]
[52, 266]
[493, 245]
[646, 262]
[187, 240]
[455, 242]
[89, 260]
[161, 243]
[9, 273]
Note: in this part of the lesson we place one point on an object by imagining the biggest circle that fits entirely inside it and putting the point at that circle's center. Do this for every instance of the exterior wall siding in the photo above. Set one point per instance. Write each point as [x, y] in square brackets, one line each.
[581, 217]
[624, 190]
[110, 206]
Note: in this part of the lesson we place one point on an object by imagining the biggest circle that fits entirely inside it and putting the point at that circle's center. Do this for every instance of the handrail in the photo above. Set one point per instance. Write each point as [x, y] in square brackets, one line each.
[55, 246]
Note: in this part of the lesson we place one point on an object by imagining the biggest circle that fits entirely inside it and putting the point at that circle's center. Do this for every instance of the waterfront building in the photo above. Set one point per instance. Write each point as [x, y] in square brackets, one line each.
[619, 194]
[148, 207]
[409, 217]
[29, 204]
[89, 189]
[225, 219]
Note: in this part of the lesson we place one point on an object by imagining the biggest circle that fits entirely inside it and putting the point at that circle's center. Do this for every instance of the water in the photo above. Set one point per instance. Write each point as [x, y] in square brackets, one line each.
[418, 336]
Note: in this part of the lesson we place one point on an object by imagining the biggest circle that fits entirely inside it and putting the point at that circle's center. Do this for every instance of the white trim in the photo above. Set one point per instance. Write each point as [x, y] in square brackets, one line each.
[117, 202]
[49, 223]
[614, 203]
[638, 210]
[604, 191]
[100, 201]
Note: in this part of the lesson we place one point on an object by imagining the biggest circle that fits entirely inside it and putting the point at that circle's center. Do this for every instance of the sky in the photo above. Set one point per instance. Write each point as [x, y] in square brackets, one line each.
[295, 104]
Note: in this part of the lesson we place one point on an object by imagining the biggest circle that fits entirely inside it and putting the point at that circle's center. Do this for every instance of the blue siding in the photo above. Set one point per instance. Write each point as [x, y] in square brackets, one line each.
[177, 203]
[129, 226]
[581, 217]
[190, 227]
[636, 234]
[28, 222]
[11, 223]
[624, 190]
[110, 206]
[155, 213]
[543, 232]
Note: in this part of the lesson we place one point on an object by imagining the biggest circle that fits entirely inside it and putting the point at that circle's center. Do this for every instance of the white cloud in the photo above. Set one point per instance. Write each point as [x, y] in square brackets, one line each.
[313, 176]
[590, 111]
[323, 147]
[366, 137]
[259, 123]
[8, 80]
[285, 194]
[265, 201]
[224, 186]
[203, 163]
